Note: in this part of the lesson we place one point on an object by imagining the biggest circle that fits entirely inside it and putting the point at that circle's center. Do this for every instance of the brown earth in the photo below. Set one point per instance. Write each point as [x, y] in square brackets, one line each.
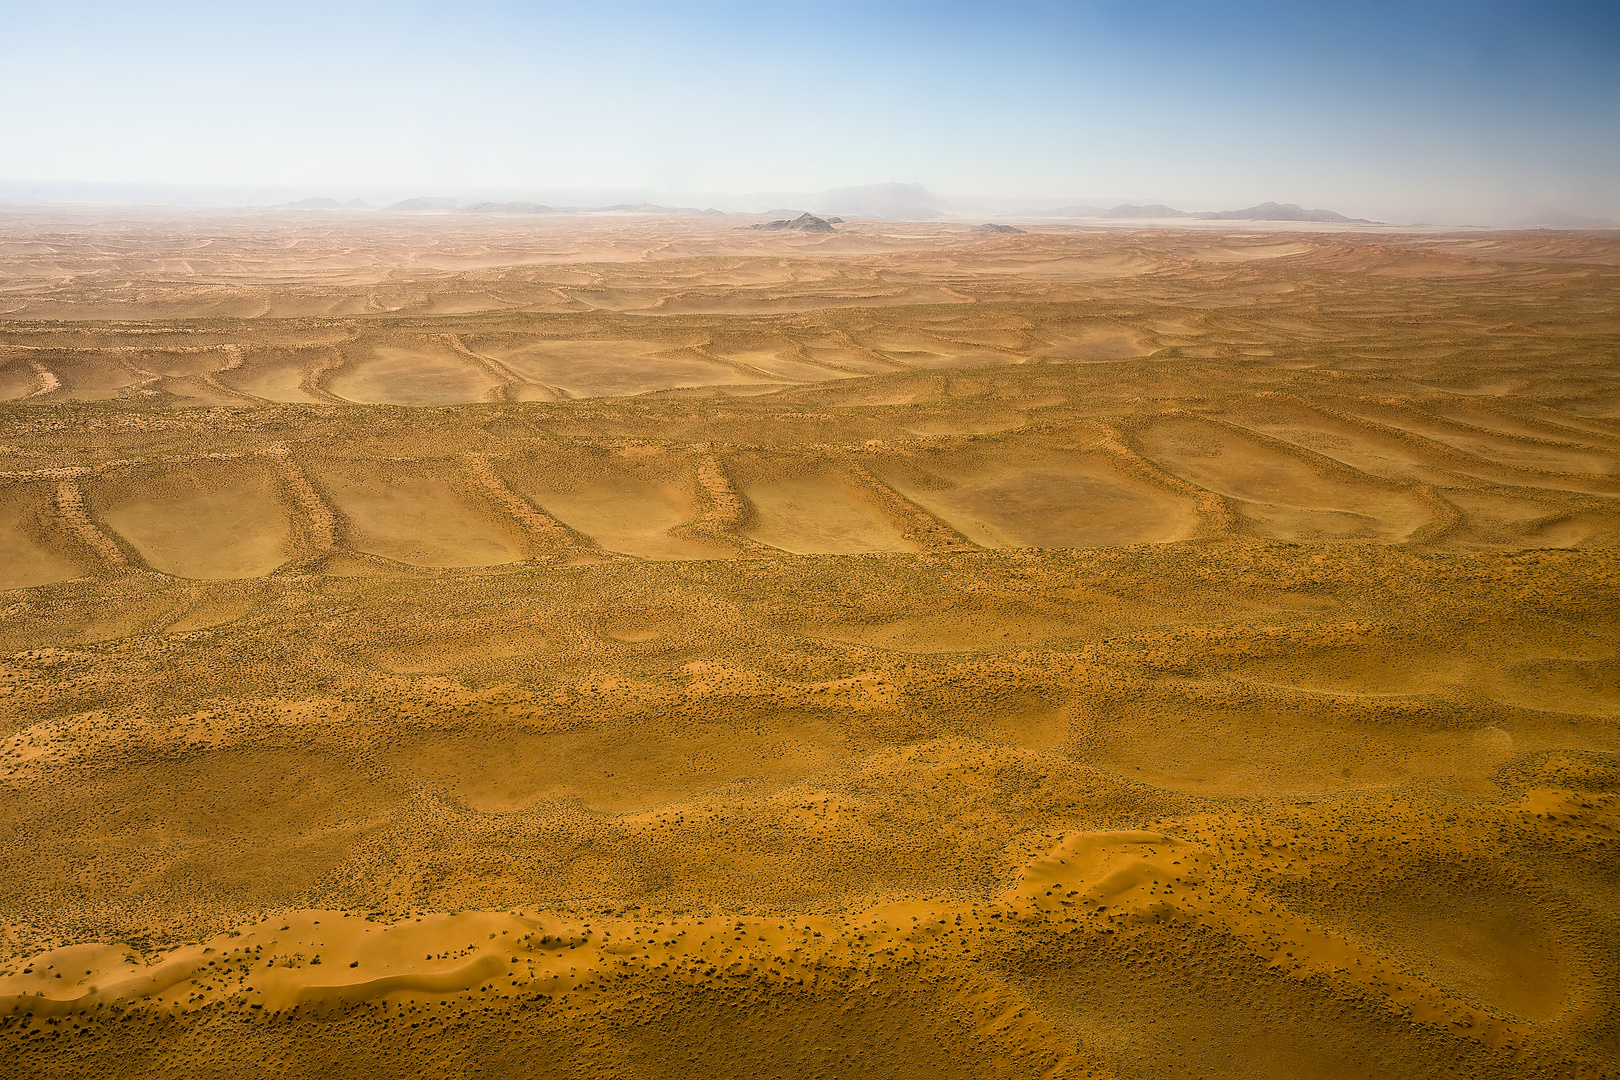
[630, 646]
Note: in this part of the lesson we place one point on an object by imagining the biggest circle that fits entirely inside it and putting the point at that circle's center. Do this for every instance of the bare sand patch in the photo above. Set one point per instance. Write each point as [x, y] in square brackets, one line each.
[921, 350]
[1514, 453]
[843, 357]
[1250, 252]
[787, 367]
[87, 376]
[1281, 495]
[1539, 428]
[1493, 518]
[406, 512]
[279, 381]
[1007, 496]
[589, 369]
[1354, 445]
[17, 379]
[620, 510]
[203, 521]
[1097, 342]
[819, 515]
[412, 376]
[178, 363]
[1378, 668]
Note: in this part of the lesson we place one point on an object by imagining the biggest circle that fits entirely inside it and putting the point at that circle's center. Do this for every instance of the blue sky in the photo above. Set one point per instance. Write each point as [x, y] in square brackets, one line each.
[1446, 111]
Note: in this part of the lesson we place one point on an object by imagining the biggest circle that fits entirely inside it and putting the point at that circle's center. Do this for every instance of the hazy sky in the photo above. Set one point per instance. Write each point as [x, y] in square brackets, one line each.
[1447, 111]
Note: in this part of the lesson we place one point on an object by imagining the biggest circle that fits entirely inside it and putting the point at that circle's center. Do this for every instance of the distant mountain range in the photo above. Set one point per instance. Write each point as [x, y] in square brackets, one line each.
[913, 202]
[883, 202]
[1266, 211]
[423, 204]
[507, 208]
[329, 204]
[441, 205]
[1270, 211]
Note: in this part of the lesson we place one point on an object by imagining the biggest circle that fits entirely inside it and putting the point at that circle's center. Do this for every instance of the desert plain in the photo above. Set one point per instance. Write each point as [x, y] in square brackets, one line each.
[639, 646]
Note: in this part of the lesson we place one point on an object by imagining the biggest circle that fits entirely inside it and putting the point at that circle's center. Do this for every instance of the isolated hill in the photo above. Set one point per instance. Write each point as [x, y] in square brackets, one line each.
[423, 204]
[989, 228]
[1270, 211]
[886, 202]
[507, 208]
[802, 223]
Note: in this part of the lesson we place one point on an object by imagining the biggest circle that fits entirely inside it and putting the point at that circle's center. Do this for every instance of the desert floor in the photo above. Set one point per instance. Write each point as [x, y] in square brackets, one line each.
[640, 647]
